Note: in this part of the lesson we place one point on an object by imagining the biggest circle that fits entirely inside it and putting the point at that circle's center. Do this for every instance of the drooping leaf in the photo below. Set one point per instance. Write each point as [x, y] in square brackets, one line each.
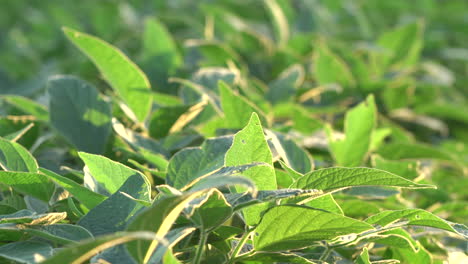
[78, 113]
[173, 237]
[288, 227]
[87, 197]
[285, 86]
[397, 151]
[119, 206]
[110, 174]
[14, 157]
[129, 82]
[250, 146]
[31, 218]
[276, 257]
[359, 125]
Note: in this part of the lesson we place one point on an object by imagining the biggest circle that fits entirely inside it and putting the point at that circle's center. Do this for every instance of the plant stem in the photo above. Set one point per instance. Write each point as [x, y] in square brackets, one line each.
[201, 246]
[239, 246]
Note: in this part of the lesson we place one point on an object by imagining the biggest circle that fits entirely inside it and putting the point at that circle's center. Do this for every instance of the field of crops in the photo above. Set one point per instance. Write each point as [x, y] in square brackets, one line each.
[249, 132]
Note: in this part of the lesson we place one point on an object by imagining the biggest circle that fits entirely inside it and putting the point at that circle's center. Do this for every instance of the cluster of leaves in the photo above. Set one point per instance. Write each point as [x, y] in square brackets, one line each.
[255, 132]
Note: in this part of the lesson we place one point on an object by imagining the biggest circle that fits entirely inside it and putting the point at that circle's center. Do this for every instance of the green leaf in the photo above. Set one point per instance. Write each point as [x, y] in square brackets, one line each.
[14, 157]
[87, 197]
[288, 227]
[192, 163]
[25, 252]
[210, 211]
[28, 106]
[329, 68]
[359, 125]
[119, 206]
[129, 82]
[224, 177]
[337, 178]
[159, 218]
[237, 109]
[275, 257]
[285, 86]
[31, 218]
[83, 251]
[110, 174]
[58, 233]
[164, 118]
[34, 184]
[363, 257]
[397, 151]
[159, 47]
[78, 113]
[402, 45]
[416, 217]
[326, 202]
[404, 168]
[173, 237]
[293, 156]
[250, 146]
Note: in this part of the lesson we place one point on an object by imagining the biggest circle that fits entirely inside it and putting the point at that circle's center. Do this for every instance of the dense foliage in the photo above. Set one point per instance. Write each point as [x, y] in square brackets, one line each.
[231, 131]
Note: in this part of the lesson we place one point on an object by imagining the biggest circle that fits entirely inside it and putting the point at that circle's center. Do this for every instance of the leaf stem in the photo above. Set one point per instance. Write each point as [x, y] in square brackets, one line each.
[201, 246]
[239, 246]
[326, 253]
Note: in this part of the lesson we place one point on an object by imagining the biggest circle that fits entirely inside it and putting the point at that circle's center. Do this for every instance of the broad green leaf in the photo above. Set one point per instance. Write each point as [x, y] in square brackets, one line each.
[237, 109]
[28, 106]
[241, 200]
[363, 258]
[78, 113]
[28, 217]
[159, 218]
[34, 184]
[397, 151]
[288, 227]
[14, 157]
[417, 217]
[402, 45]
[129, 82]
[407, 255]
[169, 258]
[25, 252]
[359, 125]
[326, 202]
[15, 136]
[394, 238]
[110, 174]
[445, 110]
[210, 211]
[292, 155]
[250, 146]
[87, 197]
[119, 205]
[164, 118]
[407, 169]
[329, 68]
[224, 177]
[337, 178]
[83, 251]
[58, 233]
[192, 163]
[159, 47]
[285, 86]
